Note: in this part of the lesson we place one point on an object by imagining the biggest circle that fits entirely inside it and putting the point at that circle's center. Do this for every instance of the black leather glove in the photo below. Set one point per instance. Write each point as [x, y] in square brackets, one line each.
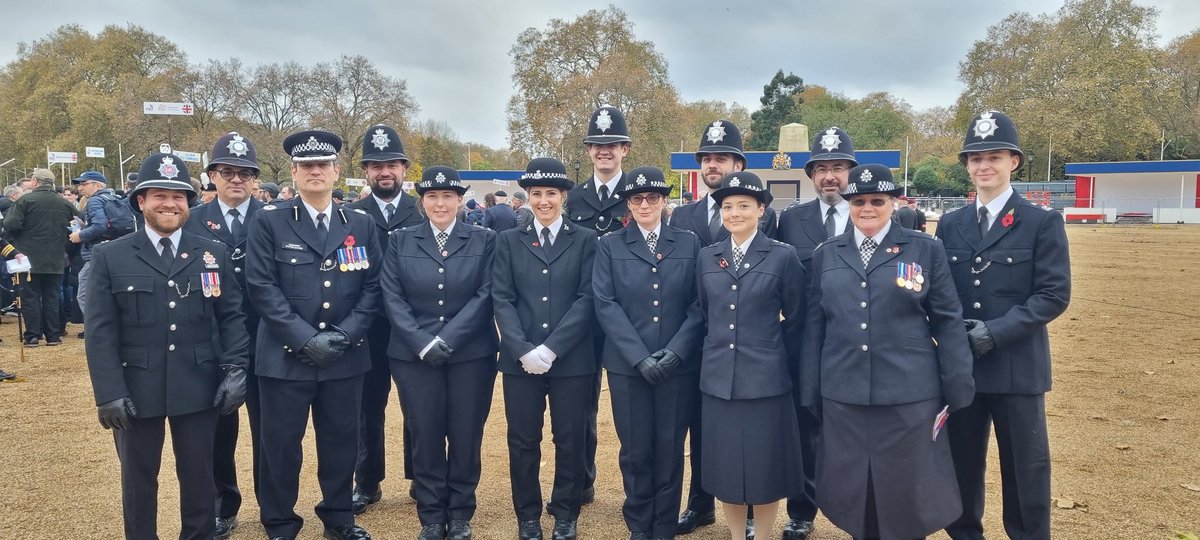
[323, 349]
[650, 370]
[438, 354]
[342, 341]
[117, 413]
[979, 337]
[231, 394]
[667, 361]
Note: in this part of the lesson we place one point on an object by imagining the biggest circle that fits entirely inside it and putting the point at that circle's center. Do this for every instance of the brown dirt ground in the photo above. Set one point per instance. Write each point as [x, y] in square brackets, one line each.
[1123, 420]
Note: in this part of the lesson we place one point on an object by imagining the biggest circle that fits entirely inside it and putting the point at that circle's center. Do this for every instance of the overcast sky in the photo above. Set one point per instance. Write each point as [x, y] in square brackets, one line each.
[454, 53]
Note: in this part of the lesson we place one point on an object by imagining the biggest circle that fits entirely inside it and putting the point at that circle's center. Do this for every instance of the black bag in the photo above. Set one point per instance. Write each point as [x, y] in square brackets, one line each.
[119, 215]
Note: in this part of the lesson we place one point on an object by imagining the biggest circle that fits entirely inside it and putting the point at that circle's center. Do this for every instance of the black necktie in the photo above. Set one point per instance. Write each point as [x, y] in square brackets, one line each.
[389, 211]
[603, 192]
[652, 242]
[167, 255]
[322, 230]
[983, 221]
[236, 226]
[714, 222]
[737, 258]
[441, 240]
[867, 249]
[830, 222]
[545, 237]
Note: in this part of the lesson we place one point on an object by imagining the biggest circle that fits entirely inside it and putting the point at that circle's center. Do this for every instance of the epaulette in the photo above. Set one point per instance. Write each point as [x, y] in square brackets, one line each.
[269, 207]
[361, 211]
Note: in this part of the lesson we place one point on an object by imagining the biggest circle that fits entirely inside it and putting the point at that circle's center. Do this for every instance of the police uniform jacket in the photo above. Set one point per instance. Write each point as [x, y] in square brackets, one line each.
[584, 207]
[544, 296]
[646, 302]
[208, 222]
[1016, 280]
[406, 215]
[742, 356]
[150, 329]
[299, 289]
[427, 294]
[803, 227]
[694, 217]
[870, 341]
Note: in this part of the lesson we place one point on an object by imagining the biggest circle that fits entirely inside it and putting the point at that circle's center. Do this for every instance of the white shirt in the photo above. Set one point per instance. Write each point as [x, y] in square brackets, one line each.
[383, 205]
[554, 228]
[155, 238]
[437, 230]
[995, 207]
[841, 215]
[744, 246]
[859, 236]
[657, 231]
[241, 208]
[612, 185]
[312, 213]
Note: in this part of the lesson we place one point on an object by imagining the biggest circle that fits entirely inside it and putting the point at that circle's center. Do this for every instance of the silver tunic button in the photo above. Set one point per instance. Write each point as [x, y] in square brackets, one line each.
[655, 319]
[863, 326]
[862, 305]
[172, 327]
[545, 270]
[978, 259]
[731, 327]
[864, 284]
[601, 218]
[321, 326]
[130, 288]
[730, 345]
[293, 261]
[655, 302]
[123, 364]
[545, 325]
[655, 270]
[441, 286]
[237, 270]
[171, 304]
[325, 305]
[440, 270]
[732, 306]
[545, 298]
[864, 348]
[441, 303]
[1009, 259]
[977, 283]
[733, 287]
[171, 347]
[170, 283]
[328, 284]
[441, 319]
[329, 263]
[977, 305]
[954, 258]
[655, 286]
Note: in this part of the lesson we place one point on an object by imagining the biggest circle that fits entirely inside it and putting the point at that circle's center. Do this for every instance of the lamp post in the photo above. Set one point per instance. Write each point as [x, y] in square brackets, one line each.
[577, 164]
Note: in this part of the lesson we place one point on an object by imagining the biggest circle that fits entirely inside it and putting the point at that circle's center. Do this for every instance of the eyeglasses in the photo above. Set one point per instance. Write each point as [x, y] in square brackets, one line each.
[862, 201]
[244, 174]
[836, 169]
[652, 198]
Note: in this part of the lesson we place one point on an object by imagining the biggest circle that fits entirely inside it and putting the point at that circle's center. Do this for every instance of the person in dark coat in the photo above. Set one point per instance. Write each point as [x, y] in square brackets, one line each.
[885, 357]
[385, 164]
[312, 271]
[500, 216]
[437, 290]
[804, 226]
[752, 292]
[646, 303]
[166, 344]
[542, 291]
[1012, 267]
[908, 216]
[37, 224]
[720, 153]
[225, 220]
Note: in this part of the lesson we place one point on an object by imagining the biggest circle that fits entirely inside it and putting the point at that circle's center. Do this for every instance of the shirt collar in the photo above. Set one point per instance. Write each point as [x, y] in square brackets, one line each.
[996, 205]
[155, 238]
[657, 230]
[241, 208]
[312, 212]
[436, 230]
[612, 184]
[859, 236]
[841, 209]
[383, 204]
[554, 228]
[745, 246]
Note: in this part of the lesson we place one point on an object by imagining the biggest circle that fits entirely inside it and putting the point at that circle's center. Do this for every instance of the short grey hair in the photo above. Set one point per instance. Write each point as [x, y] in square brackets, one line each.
[11, 190]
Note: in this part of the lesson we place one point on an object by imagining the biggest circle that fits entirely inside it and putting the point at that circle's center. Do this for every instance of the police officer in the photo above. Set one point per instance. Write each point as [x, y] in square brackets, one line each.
[752, 291]
[597, 205]
[1012, 268]
[720, 153]
[881, 298]
[542, 290]
[385, 164]
[166, 341]
[437, 287]
[804, 226]
[312, 273]
[645, 288]
[234, 173]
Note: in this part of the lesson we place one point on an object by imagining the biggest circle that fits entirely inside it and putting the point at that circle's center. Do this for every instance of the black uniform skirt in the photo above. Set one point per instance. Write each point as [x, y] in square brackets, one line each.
[912, 477]
[750, 449]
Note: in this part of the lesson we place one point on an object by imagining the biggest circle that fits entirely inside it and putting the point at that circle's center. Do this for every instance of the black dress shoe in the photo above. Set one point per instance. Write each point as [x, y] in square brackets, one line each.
[53, 342]
[564, 530]
[347, 532]
[225, 527]
[529, 530]
[796, 529]
[460, 529]
[639, 536]
[433, 531]
[691, 520]
[363, 498]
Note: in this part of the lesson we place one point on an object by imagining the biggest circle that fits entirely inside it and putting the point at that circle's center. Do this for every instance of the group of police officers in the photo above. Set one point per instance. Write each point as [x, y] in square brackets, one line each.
[310, 309]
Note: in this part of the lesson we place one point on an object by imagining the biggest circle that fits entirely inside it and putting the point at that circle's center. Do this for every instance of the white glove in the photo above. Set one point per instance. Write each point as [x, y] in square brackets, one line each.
[421, 355]
[546, 354]
[534, 364]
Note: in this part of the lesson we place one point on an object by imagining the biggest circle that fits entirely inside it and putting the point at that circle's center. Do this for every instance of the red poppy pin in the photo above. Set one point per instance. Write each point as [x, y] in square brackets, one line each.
[1008, 218]
[723, 263]
[535, 244]
[658, 256]
[213, 226]
[349, 240]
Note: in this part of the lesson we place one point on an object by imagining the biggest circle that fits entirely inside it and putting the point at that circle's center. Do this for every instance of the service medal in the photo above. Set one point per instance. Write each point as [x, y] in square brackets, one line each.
[917, 287]
[920, 278]
[900, 281]
[908, 284]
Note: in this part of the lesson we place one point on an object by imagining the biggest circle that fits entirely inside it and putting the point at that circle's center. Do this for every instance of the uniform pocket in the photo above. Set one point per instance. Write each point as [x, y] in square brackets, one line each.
[296, 272]
[135, 299]
[1013, 270]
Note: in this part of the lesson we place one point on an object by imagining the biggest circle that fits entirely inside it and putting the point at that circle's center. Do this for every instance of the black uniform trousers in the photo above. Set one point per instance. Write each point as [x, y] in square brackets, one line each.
[1024, 449]
[804, 507]
[139, 450]
[446, 409]
[651, 424]
[229, 497]
[335, 407]
[40, 305]
[377, 386]
[524, 410]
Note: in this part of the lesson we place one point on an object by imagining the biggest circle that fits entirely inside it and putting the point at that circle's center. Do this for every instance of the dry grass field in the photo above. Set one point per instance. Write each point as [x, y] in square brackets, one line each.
[1124, 422]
